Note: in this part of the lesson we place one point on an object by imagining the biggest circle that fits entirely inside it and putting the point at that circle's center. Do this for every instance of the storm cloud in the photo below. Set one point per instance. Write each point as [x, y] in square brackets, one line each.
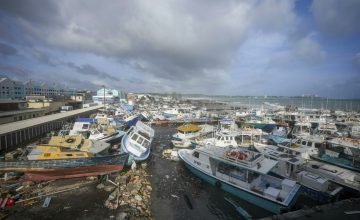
[7, 50]
[179, 45]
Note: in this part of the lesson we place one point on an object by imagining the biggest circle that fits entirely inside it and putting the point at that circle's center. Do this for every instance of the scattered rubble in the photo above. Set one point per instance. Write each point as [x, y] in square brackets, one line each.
[170, 154]
[132, 194]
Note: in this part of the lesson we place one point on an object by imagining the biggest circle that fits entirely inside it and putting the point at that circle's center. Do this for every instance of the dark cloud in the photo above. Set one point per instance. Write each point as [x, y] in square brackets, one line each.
[41, 56]
[7, 50]
[88, 69]
[173, 40]
[14, 72]
[42, 12]
[197, 46]
[337, 17]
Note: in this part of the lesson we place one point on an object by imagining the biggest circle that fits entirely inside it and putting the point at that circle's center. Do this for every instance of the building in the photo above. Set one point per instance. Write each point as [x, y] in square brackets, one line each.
[10, 89]
[111, 96]
[15, 110]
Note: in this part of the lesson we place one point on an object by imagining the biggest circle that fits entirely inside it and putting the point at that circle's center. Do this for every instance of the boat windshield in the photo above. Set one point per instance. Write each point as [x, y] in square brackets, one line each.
[145, 135]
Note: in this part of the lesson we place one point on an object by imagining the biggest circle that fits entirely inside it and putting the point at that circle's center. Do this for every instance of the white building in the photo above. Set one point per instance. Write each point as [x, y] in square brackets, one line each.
[111, 96]
[6, 88]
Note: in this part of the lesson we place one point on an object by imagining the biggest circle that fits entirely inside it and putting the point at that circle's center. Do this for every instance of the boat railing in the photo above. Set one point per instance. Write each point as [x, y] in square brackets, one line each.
[253, 161]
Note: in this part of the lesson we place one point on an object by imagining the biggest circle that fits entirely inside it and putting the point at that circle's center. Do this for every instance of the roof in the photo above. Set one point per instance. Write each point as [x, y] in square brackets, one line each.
[16, 112]
[188, 128]
[11, 127]
[4, 101]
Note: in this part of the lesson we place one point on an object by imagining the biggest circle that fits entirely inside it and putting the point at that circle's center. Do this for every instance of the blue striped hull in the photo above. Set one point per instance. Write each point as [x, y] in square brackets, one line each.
[249, 197]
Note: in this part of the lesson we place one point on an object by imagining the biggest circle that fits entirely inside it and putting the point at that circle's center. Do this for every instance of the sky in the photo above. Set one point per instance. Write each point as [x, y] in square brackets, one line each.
[211, 47]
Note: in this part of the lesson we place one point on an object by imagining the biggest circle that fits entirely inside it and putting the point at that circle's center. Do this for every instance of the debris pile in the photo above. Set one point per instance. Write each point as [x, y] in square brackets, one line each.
[130, 193]
[28, 193]
[170, 154]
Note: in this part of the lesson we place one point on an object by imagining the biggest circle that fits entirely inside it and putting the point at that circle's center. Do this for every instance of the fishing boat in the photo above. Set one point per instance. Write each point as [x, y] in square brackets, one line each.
[248, 135]
[96, 129]
[188, 133]
[264, 123]
[50, 169]
[78, 142]
[185, 135]
[220, 139]
[341, 176]
[342, 152]
[242, 173]
[48, 152]
[291, 166]
[137, 141]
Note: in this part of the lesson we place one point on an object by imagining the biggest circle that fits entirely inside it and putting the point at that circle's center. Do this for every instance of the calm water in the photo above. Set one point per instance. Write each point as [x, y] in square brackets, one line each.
[172, 180]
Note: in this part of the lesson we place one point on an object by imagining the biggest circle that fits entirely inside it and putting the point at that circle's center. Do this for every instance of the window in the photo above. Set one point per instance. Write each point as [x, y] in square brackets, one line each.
[140, 140]
[47, 155]
[196, 154]
[134, 137]
[69, 155]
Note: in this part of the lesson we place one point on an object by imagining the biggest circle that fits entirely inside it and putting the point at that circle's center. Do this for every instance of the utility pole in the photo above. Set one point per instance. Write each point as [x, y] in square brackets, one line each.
[104, 96]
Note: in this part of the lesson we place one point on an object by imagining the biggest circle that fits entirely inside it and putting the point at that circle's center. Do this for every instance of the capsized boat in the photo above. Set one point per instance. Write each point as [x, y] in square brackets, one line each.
[242, 173]
[50, 169]
[137, 141]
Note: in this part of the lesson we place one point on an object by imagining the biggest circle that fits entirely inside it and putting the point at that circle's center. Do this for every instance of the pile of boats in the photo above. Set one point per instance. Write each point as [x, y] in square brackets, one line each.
[91, 146]
[268, 171]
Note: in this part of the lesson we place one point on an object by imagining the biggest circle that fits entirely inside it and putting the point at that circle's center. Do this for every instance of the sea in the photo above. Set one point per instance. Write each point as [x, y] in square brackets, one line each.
[307, 102]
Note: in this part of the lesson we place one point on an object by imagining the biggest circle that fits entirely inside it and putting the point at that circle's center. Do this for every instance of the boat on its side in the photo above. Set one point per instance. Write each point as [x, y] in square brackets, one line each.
[242, 173]
[137, 141]
[50, 169]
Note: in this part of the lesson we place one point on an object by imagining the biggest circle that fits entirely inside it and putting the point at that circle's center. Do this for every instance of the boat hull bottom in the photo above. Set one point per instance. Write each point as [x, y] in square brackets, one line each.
[64, 173]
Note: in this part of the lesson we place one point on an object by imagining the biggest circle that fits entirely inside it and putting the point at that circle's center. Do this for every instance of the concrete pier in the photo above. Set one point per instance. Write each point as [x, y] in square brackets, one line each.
[16, 133]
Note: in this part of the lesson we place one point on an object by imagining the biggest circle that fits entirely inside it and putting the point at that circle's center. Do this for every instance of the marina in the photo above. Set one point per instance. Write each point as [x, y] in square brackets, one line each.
[174, 110]
[253, 168]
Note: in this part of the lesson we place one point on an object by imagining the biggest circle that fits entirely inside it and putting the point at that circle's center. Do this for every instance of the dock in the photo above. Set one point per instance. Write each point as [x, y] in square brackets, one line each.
[346, 209]
[16, 133]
